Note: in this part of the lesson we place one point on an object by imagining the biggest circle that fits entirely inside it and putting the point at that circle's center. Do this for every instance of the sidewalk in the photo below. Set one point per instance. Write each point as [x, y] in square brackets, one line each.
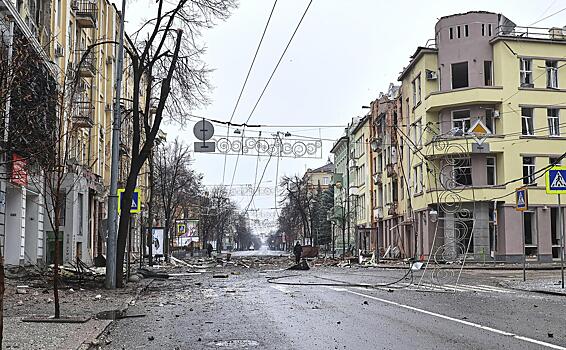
[546, 286]
[75, 302]
[471, 265]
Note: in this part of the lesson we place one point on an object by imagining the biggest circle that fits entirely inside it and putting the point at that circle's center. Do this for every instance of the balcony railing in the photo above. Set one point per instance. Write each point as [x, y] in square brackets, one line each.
[85, 63]
[531, 32]
[83, 116]
[85, 13]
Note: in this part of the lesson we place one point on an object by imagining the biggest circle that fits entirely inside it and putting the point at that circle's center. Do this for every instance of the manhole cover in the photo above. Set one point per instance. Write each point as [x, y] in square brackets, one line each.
[234, 344]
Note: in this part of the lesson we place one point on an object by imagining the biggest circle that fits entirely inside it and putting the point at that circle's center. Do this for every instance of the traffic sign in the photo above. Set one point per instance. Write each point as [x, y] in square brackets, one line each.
[479, 131]
[521, 199]
[181, 228]
[135, 207]
[556, 180]
[203, 130]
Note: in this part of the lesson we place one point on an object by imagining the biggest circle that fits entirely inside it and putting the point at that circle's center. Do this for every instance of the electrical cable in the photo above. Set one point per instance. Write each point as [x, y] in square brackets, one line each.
[246, 81]
[547, 17]
[279, 62]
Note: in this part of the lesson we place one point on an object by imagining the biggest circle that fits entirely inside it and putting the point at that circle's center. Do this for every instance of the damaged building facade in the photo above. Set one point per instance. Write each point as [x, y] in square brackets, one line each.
[77, 74]
[477, 114]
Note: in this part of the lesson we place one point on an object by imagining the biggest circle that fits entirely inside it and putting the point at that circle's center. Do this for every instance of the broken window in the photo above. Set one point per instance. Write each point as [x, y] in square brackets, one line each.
[483, 29]
[466, 30]
[552, 74]
[451, 33]
[416, 90]
[527, 121]
[487, 76]
[459, 32]
[459, 75]
[528, 170]
[553, 121]
[464, 226]
[526, 72]
[463, 171]
[461, 120]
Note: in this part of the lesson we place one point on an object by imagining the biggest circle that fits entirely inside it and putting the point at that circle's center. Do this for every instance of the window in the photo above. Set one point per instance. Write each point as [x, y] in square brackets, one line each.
[552, 74]
[489, 29]
[458, 30]
[528, 170]
[461, 120]
[483, 29]
[554, 161]
[491, 171]
[451, 33]
[417, 179]
[463, 225]
[421, 182]
[487, 76]
[553, 121]
[459, 75]
[554, 233]
[326, 180]
[490, 120]
[463, 171]
[81, 213]
[419, 132]
[527, 121]
[62, 199]
[416, 90]
[529, 227]
[466, 31]
[526, 72]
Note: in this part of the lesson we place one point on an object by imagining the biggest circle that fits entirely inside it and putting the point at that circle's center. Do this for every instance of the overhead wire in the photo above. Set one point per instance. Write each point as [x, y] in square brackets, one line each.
[246, 80]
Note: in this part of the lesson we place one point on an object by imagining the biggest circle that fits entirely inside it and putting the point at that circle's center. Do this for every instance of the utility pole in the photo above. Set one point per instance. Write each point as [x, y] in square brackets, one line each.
[348, 182]
[111, 244]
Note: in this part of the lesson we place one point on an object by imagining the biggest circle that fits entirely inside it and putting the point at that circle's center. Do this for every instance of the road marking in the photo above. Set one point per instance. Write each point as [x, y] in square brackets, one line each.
[467, 323]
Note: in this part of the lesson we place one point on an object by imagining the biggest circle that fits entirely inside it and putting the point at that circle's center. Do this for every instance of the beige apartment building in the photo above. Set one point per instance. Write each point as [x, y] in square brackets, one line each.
[68, 33]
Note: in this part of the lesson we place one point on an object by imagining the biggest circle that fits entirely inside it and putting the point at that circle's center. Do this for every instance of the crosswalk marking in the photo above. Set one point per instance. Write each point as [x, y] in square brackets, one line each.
[482, 288]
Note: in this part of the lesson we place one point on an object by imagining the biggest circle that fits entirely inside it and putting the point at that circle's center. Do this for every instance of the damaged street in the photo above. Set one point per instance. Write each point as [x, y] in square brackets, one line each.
[253, 302]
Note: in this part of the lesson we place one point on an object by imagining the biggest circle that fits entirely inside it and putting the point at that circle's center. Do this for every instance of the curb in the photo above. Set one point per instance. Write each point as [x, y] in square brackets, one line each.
[490, 268]
[87, 344]
[540, 291]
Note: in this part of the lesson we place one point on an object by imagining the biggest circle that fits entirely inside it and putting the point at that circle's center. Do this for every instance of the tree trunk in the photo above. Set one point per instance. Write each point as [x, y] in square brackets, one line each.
[123, 229]
[56, 274]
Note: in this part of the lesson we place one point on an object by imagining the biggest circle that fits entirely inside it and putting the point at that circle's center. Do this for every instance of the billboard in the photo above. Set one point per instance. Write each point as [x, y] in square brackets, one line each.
[157, 241]
[190, 232]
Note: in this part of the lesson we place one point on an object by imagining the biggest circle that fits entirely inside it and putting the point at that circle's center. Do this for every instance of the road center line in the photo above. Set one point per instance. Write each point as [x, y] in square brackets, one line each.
[471, 324]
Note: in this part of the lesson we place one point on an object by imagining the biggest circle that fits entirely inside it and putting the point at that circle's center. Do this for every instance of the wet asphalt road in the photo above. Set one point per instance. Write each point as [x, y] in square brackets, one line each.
[244, 311]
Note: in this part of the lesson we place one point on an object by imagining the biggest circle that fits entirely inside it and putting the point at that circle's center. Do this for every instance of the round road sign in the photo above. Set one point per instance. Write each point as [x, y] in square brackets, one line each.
[203, 130]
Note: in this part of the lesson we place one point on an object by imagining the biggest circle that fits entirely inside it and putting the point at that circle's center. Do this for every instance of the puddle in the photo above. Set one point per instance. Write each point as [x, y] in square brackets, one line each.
[234, 344]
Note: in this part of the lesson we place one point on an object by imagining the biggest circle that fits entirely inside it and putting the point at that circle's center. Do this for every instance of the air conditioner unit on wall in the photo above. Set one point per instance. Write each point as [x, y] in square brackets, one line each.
[431, 75]
[496, 113]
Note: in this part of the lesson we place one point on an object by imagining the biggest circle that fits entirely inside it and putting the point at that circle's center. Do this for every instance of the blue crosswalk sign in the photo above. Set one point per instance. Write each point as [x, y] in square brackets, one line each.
[135, 207]
[521, 199]
[556, 180]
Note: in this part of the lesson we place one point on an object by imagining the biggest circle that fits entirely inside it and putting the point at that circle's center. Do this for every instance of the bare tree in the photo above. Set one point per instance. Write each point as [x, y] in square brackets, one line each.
[168, 79]
[177, 184]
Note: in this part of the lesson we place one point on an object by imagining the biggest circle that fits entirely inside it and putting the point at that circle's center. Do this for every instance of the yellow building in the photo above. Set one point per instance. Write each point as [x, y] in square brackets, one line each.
[483, 73]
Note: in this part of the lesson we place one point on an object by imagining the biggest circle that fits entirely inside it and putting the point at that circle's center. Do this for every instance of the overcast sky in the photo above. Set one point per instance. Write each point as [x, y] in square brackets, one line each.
[343, 55]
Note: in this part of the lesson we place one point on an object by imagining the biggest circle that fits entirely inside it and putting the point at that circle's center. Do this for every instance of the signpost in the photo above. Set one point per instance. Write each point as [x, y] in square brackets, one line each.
[522, 204]
[204, 130]
[556, 184]
[136, 201]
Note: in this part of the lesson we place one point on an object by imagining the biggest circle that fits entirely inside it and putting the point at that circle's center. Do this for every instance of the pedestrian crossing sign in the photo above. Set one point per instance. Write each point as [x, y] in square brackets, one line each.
[136, 201]
[556, 180]
[521, 199]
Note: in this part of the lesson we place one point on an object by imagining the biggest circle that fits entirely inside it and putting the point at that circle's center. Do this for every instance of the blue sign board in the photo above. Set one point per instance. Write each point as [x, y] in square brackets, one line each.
[556, 180]
[135, 207]
[521, 199]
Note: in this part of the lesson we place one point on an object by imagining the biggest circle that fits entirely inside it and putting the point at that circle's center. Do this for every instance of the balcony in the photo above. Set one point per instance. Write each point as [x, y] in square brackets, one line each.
[85, 63]
[377, 180]
[439, 100]
[85, 13]
[83, 114]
